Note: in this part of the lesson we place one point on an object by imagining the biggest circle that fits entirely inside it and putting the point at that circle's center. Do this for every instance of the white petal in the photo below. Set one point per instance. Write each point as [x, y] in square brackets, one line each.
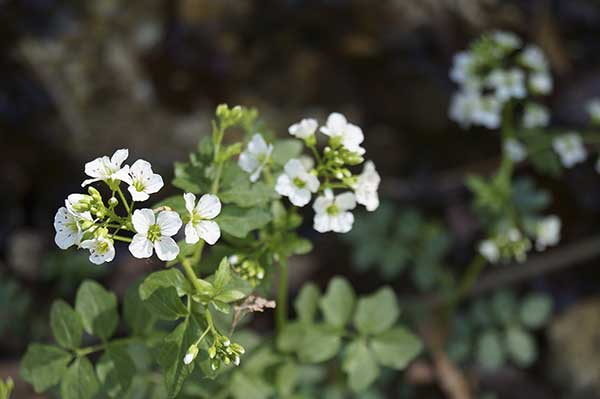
[342, 223]
[169, 223]
[284, 186]
[209, 206]
[190, 201]
[321, 223]
[154, 183]
[142, 219]
[119, 157]
[321, 204]
[336, 123]
[346, 201]
[95, 168]
[294, 168]
[140, 246]
[300, 197]
[247, 162]
[257, 145]
[191, 235]
[122, 174]
[208, 230]
[255, 176]
[141, 168]
[136, 195]
[166, 248]
[89, 181]
[312, 182]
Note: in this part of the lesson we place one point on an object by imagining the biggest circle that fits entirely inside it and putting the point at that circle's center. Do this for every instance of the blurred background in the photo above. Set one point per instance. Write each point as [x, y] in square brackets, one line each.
[79, 79]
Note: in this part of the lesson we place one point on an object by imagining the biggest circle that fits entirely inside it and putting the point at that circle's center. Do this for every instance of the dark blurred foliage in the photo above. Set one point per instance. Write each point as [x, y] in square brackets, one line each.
[79, 79]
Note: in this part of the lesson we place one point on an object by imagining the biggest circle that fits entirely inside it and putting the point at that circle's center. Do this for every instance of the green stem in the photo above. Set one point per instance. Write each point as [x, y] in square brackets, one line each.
[282, 292]
[190, 273]
[120, 238]
[125, 204]
[90, 349]
[468, 280]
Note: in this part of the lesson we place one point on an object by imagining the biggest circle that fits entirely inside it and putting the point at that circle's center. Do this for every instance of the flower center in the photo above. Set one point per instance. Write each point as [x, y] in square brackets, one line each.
[103, 247]
[154, 232]
[138, 185]
[298, 182]
[332, 210]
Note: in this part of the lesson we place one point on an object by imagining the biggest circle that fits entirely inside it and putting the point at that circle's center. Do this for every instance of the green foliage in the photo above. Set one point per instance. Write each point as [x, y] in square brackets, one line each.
[501, 328]
[6, 388]
[66, 325]
[43, 366]
[97, 308]
[80, 381]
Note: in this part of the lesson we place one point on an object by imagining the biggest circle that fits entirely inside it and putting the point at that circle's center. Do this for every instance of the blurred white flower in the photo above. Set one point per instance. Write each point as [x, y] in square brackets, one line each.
[101, 249]
[297, 183]
[463, 106]
[155, 234]
[332, 212]
[540, 83]
[487, 113]
[489, 250]
[508, 84]
[350, 136]
[201, 225]
[366, 187]
[108, 169]
[143, 180]
[255, 157]
[570, 149]
[304, 129]
[535, 116]
[593, 109]
[533, 57]
[507, 40]
[515, 150]
[461, 68]
[547, 232]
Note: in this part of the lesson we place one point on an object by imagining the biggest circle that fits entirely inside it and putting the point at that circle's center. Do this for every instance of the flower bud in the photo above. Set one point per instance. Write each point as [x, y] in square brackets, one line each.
[94, 193]
[112, 202]
[191, 354]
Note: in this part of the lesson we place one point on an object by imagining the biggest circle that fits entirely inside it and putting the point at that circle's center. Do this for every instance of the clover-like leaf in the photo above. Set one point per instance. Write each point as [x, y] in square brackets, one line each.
[396, 347]
[338, 302]
[66, 325]
[80, 381]
[377, 312]
[360, 365]
[97, 308]
[44, 365]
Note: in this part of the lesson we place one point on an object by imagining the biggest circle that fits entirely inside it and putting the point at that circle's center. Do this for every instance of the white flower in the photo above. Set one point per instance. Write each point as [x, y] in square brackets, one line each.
[143, 180]
[533, 57]
[535, 116]
[350, 135]
[68, 228]
[108, 169]
[515, 150]
[155, 234]
[540, 83]
[547, 232]
[332, 212]
[488, 112]
[463, 106]
[296, 183]
[508, 84]
[200, 224]
[304, 129]
[507, 40]
[101, 249]
[255, 157]
[489, 250]
[570, 149]
[366, 187]
[461, 67]
[593, 109]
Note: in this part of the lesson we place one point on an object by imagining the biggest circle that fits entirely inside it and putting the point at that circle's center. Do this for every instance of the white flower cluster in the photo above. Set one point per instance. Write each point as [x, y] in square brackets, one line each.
[512, 243]
[496, 70]
[570, 149]
[299, 181]
[86, 222]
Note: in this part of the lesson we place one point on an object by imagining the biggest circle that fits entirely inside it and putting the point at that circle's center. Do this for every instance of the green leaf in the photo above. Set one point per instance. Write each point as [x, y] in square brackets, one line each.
[396, 348]
[286, 378]
[136, 314]
[123, 364]
[291, 337]
[97, 308]
[222, 275]
[338, 302]
[377, 312]
[307, 302]
[490, 352]
[165, 279]
[6, 387]
[171, 354]
[247, 195]
[44, 365]
[66, 325]
[360, 365]
[238, 222]
[520, 346]
[229, 296]
[165, 304]
[80, 381]
[536, 310]
[318, 345]
[286, 149]
[504, 306]
[243, 386]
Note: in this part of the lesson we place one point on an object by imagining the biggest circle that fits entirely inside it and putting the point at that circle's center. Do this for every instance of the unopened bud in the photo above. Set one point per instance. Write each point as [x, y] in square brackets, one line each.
[113, 201]
[191, 354]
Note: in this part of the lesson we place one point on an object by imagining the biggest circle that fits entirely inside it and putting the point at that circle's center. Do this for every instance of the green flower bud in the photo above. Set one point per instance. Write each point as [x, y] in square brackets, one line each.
[112, 202]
